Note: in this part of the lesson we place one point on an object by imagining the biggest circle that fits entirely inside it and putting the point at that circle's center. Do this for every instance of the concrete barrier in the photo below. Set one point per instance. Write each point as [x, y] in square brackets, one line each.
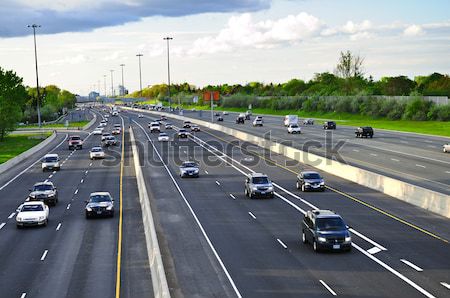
[92, 122]
[24, 155]
[159, 280]
[427, 199]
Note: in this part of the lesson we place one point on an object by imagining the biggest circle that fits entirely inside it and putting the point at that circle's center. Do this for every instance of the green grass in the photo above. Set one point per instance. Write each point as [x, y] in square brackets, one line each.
[58, 125]
[13, 145]
[438, 128]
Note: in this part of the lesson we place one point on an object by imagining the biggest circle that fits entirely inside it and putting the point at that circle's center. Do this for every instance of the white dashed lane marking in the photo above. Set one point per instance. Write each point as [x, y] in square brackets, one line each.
[417, 268]
[252, 215]
[11, 215]
[58, 227]
[2, 225]
[282, 243]
[231, 195]
[44, 254]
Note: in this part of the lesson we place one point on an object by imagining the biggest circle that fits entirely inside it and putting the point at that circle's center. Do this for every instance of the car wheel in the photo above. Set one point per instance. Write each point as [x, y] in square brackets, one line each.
[315, 247]
[297, 185]
[303, 188]
[246, 192]
[304, 237]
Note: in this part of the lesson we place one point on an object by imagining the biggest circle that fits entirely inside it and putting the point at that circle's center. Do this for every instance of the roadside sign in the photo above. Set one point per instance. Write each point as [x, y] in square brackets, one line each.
[66, 123]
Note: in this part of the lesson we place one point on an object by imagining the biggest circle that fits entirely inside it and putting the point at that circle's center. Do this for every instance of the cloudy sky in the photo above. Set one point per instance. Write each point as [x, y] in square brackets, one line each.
[221, 41]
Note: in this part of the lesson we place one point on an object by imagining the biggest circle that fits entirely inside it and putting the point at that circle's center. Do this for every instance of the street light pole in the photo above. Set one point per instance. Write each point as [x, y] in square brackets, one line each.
[104, 82]
[112, 83]
[123, 87]
[140, 74]
[34, 26]
[168, 69]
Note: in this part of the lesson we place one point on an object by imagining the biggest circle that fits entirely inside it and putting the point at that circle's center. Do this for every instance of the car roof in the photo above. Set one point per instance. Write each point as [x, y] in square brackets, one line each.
[325, 214]
[100, 193]
[189, 161]
[309, 172]
[257, 175]
[97, 147]
[44, 183]
[51, 155]
[33, 203]
[74, 136]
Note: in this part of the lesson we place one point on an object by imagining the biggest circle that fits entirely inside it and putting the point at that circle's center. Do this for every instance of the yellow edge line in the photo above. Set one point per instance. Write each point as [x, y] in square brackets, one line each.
[119, 241]
[350, 197]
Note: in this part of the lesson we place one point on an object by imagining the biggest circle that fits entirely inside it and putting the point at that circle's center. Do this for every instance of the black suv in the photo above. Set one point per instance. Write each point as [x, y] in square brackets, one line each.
[99, 204]
[240, 119]
[309, 180]
[258, 185]
[325, 230]
[365, 131]
[329, 125]
[45, 192]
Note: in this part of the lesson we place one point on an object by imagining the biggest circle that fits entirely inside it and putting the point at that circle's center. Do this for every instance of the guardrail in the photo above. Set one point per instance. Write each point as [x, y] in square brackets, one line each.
[159, 280]
[413, 194]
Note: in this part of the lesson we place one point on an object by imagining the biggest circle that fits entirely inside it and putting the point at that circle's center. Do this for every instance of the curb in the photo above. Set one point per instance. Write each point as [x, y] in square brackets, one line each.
[159, 280]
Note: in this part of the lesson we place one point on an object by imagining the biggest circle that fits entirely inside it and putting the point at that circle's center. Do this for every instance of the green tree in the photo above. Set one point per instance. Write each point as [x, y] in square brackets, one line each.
[13, 97]
[400, 85]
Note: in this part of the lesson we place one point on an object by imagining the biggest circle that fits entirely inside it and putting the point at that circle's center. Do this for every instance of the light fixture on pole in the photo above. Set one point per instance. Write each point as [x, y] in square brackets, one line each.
[34, 26]
[123, 87]
[104, 82]
[168, 70]
[140, 74]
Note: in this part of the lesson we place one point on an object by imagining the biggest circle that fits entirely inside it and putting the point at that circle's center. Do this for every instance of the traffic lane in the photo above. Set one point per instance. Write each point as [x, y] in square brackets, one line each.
[257, 263]
[402, 241]
[191, 267]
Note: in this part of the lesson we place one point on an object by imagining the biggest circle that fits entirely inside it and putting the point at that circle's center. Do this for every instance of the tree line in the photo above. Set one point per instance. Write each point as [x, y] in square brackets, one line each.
[18, 103]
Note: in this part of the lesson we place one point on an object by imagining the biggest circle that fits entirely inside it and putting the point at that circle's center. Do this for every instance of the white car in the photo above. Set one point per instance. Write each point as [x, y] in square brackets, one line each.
[116, 131]
[33, 213]
[96, 152]
[140, 116]
[258, 121]
[103, 123]
[225, 113]
[98, 131]
[294, 128]
[154, 126]
[446, 147]
[50, 162]
[104, 135]
[163, 137]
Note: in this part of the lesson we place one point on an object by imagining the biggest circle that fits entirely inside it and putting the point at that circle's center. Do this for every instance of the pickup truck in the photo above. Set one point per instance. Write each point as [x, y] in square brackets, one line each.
[75, 142]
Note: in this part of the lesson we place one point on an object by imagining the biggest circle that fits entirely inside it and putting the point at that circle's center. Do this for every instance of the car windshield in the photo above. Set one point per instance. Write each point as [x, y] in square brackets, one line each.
[260, 180]
[187, 122]
[42, 187]
[97, 149]
[117, 125]
[189, 165]
[330, 224]
[110, 138]
[51, 159]
[75, 138]
[294, 126]
[182, 130]
[163, 134]
[311, 176]
[28, 208]
[99, 198]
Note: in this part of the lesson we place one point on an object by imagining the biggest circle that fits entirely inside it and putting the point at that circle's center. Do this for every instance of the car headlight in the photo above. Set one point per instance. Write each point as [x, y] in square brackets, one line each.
[41, 217]
[196, 171]
[254, 187]
[19, 218]
[109, 208]
[88, 209]
[322, 239]
[348, 239]
[270, 188]
[32, 196]
[51, 195]
[307, 183]
[322, 183]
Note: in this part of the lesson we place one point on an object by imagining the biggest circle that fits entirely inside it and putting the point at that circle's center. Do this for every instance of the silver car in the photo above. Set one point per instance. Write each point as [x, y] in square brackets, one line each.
[189, 169]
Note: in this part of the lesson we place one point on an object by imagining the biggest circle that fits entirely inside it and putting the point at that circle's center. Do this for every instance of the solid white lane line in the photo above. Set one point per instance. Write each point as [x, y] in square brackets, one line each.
[11, 215]
[420, 166]
[68, 206]
[373, 154]
[217, 182]
[448, 172]
[206, 172]
[356, 150]
[50, 177]
[231, 195]
[417, 268]
[428, 141]
[431, 146]
[373, 250]
[23, 295]
[445, 285]
[393, 271]
[76, 191]
[58, 227]
[44, 254]
[82, 180]
[367, 239]
[2, 225]
[404, 142]
[328, 288]
[252, 215]
[394, 159]
[282, 244]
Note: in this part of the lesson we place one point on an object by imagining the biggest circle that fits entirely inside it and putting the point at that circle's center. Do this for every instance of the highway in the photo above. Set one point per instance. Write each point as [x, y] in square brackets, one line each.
[72, 256]
[414, 158]
[218, 243]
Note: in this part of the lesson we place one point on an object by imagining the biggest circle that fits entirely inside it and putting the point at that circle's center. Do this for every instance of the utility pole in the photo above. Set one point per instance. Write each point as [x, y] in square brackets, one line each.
[168, 70]
[123, 87]
[140, 74]
[34, 26]
[112, 83]
[104, 81]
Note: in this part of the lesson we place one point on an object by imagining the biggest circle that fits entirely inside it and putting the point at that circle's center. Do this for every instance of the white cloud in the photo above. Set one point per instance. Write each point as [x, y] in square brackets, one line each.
[352, 28]
[78, 59]
[413, 30]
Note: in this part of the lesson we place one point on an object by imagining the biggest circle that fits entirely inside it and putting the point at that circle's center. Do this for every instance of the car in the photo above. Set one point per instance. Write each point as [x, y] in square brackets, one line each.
[50, 162]
[96, 152]
[195, 128]
[99, 204]
[258, 185]
[75, 142]
[240, 119]
[326, 230]
[182, 133]
[109, 141]
[103, 123]
[104, 135]
[163, 118]
[140, 116]
[155, 127]
[217, 114]
[115, 113]
[220, 119]
[168, 125]
[45, 192]
[163, 137]
[308, 121]
[329, 125]
[117, 125]
[294, 128]
[310, 180]
[187, 124]
[33, 213]
[258, 121]
[98, 131]
[446, 147]
[225, 113]
[365, 131]
[189, 169]
[116, 131]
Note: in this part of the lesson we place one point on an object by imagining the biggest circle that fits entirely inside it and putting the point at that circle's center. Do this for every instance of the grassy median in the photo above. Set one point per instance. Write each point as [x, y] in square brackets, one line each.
[13, 145]
[58, 125]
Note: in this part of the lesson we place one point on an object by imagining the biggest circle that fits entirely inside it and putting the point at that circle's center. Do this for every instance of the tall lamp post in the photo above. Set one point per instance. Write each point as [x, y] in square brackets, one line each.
[123, 87]
[140, 74]
[168, 70]
[104, 82]
[112, 83]
[34, 26]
